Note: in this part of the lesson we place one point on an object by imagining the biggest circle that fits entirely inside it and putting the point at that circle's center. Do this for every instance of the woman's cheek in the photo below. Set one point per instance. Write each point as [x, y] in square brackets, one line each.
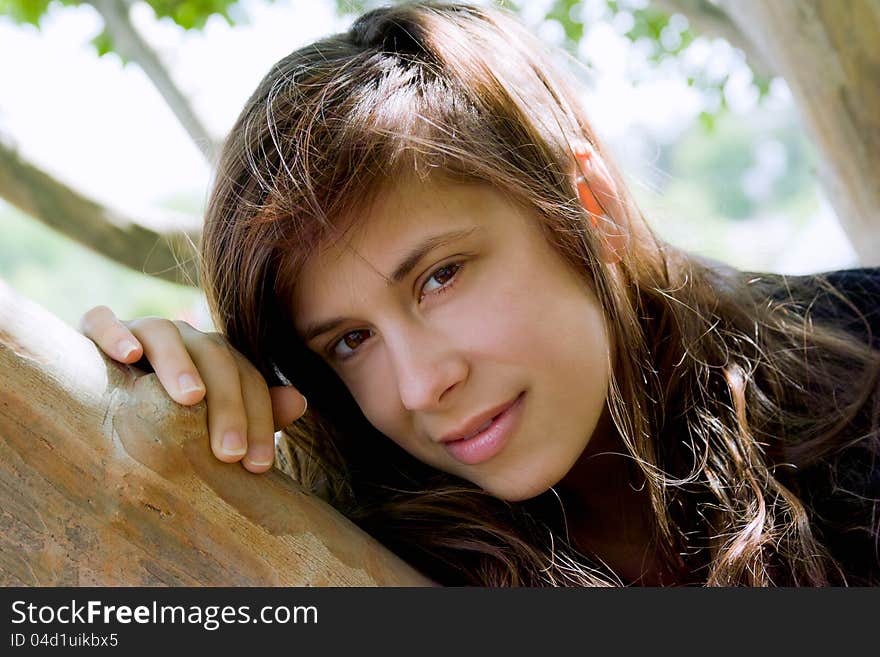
[374, 393]
[379, 400]
[503, 322]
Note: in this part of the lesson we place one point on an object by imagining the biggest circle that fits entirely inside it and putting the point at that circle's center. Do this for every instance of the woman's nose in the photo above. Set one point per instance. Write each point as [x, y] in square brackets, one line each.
[427, 368]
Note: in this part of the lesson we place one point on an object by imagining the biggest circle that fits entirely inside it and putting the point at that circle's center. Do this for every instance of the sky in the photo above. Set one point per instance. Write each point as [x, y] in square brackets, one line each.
[101, 127]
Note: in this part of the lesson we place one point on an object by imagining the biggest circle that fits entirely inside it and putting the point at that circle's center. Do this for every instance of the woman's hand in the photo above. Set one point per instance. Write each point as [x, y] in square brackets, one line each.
[243, 413]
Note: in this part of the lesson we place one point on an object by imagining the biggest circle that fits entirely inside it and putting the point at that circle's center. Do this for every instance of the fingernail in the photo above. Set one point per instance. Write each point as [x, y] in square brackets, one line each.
[233, 444]
[262, 456]
[305, 407]
[125, 347]
[187, 383]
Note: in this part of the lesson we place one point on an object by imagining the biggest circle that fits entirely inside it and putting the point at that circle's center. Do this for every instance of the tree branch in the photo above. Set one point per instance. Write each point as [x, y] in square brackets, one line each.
[131, 45]
[105, 481]
[158, 250]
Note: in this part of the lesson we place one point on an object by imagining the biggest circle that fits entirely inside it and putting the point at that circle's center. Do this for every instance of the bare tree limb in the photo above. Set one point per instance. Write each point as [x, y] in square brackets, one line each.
[162, 251]
[131, 45]
[105, 481]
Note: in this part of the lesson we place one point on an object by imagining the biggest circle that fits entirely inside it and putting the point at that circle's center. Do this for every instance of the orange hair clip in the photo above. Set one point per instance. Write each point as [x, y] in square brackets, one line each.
[585, 194]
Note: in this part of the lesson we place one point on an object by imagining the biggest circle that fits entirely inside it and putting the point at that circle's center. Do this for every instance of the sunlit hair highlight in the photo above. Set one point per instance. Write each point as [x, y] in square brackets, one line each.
[719, 396]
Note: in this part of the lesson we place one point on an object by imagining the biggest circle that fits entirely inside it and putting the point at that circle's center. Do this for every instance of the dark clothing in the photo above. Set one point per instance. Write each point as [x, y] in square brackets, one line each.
[862, 288]
[843, 493]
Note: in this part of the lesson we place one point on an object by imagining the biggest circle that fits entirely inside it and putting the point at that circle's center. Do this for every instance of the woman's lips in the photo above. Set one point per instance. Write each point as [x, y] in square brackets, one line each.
[489, 442]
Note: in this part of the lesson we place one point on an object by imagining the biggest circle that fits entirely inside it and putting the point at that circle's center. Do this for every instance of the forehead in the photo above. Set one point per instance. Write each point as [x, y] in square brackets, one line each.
[399, 219]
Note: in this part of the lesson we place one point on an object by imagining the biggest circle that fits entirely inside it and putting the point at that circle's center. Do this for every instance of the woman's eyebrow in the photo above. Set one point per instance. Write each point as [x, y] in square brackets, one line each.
[401, 271]
[423, 248]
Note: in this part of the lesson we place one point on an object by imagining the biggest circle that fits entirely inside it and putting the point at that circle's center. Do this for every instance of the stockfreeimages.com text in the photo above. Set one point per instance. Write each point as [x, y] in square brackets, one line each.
[210, 617]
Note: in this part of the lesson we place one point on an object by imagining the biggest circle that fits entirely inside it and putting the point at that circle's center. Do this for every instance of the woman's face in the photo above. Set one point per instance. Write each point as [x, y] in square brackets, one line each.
[447, 306]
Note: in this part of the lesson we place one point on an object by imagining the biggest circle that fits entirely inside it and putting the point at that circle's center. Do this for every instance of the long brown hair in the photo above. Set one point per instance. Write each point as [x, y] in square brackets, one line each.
[728, 399]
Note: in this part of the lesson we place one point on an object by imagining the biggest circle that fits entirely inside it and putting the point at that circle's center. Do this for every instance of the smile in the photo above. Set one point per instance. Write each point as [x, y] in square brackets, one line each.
[490, 439]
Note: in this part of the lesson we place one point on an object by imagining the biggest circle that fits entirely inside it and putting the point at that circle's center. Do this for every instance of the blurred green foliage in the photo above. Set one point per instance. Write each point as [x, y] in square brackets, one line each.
[698, 199]
[718, 166]
[649, 24]
[29, 11]
[188, 14]
[700, 192]
[68, 279]
[564, 12]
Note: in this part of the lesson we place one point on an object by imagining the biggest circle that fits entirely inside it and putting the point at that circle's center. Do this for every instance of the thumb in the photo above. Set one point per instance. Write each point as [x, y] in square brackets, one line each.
[288, 405]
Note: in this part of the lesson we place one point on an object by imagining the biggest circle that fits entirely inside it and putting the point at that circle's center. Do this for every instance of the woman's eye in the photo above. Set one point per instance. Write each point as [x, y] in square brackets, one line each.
[443, 276]
[439, 281]
[350, 342]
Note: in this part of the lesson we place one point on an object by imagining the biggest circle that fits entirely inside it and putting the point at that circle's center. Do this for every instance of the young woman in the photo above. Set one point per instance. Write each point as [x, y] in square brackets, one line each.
[510, 379]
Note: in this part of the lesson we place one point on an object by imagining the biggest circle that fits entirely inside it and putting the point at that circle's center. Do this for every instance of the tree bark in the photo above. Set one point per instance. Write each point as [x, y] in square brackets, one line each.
[163, 251]
[128, 42]
[105, 481]
[829, 54]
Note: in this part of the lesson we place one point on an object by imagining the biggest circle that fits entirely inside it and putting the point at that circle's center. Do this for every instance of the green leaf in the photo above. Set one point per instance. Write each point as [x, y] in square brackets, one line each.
[192, 14]
[349, 7]
[708, 121]
[103, 43]
[24, 11]
[762, 82]
[648, 22]
[562, 11]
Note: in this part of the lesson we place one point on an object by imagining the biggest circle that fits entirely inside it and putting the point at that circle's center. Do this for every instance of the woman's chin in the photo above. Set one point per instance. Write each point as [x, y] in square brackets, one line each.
[518, 491]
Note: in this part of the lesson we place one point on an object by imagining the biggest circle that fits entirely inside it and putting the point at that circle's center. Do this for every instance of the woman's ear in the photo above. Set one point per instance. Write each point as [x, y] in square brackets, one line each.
[599, 197]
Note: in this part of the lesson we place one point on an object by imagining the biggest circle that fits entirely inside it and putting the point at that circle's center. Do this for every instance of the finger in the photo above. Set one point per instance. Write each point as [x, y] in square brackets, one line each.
[258, 406]
[165, 350]
[227, 416]
[288, 405]
[100, 325]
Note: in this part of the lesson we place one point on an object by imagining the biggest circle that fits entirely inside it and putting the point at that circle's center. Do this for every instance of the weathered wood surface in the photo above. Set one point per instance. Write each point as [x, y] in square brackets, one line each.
[105, 481]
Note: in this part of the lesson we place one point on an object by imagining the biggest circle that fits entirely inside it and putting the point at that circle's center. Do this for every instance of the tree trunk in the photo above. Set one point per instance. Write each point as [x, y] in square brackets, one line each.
[165, 250]
[105, 481]
[829, 54]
